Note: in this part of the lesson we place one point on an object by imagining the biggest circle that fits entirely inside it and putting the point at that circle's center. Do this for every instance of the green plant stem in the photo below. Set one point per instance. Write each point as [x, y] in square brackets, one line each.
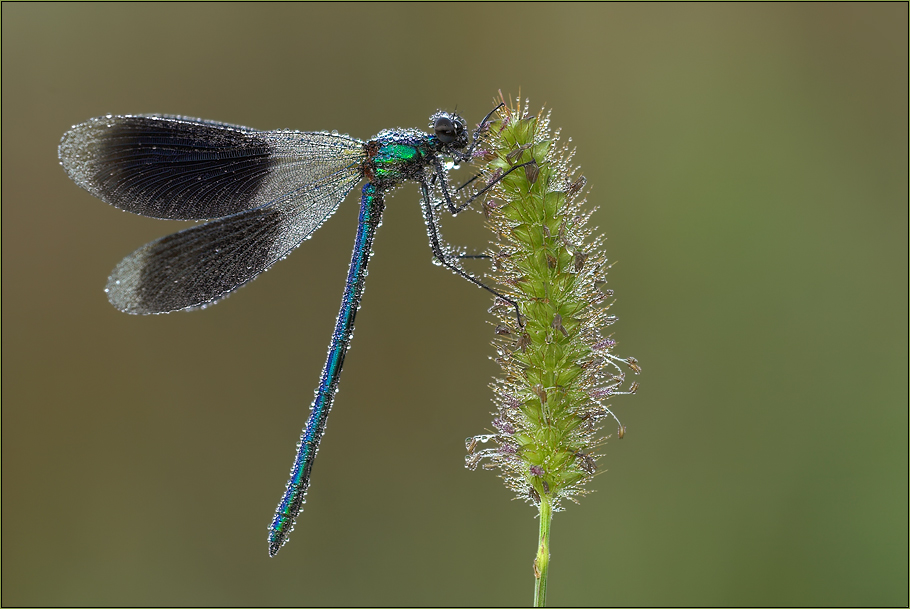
[542, 562]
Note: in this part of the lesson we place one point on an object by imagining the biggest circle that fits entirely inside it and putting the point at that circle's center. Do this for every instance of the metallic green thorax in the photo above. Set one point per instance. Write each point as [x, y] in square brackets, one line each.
[401, 158]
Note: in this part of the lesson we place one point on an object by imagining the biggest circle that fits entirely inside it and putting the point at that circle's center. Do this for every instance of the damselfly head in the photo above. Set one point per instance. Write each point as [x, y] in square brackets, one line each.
[450, 129]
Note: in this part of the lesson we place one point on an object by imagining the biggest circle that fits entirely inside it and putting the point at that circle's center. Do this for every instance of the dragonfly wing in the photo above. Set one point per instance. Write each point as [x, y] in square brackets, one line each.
[200, 265]
[182, 168]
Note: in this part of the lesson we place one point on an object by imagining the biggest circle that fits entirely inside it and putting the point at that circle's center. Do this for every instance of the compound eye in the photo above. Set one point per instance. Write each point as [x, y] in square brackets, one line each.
[445, 129]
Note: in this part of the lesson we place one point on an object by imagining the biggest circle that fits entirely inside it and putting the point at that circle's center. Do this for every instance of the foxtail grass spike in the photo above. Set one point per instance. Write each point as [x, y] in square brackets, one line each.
[559, 371]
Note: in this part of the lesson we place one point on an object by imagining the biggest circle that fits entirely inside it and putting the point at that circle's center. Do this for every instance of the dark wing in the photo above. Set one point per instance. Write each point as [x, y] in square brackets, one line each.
[200, 265]
[181, 168]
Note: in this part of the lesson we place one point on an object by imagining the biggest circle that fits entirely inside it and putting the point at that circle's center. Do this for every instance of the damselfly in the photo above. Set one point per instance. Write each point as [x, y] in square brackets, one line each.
[264, 193]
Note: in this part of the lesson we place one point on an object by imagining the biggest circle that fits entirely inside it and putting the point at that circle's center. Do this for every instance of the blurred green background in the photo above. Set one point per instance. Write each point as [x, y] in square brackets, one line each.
[750, 165]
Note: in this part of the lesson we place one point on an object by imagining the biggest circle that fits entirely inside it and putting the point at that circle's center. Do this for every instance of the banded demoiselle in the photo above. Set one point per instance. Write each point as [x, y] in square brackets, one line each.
[263, 192]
